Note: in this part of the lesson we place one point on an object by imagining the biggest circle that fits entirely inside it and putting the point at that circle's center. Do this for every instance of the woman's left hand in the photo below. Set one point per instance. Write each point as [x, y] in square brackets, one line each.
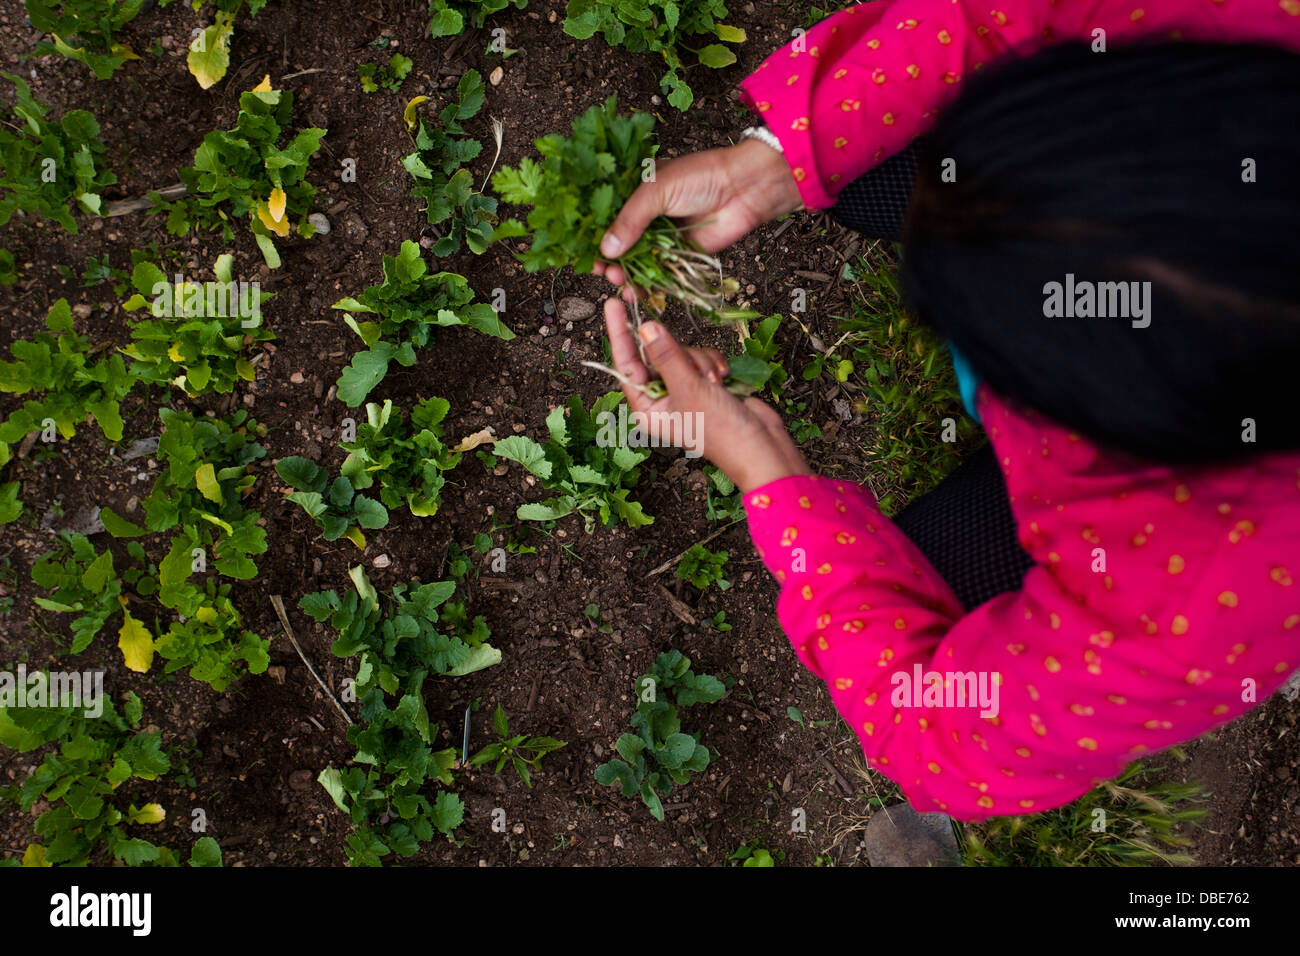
[746, 439]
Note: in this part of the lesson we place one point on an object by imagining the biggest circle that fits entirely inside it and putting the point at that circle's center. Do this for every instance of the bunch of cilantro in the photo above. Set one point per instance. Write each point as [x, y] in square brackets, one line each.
[577, 191]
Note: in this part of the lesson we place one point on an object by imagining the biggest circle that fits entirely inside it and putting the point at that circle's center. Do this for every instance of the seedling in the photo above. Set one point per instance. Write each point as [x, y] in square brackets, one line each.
[335, 506]
[83, 30]
[76, 783]
[408, 305]
[722, 501]
[451, 16]
[577, 191]
[397, 649]
[197, 333]
[45, 166]
[407, 461]
[666, 27]
[83, 582]
[209, 56]
[244, 173]
[755, 854]
[56, 366]
[8, 268]
[702, 567]
[521, 751]
[388, 76]
[446, 187]
[658, 755]
[592, 613]
[592, 472]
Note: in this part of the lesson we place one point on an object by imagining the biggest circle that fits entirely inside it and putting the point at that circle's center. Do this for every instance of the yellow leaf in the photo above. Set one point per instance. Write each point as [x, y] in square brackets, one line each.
[35, 856]
[174, 353]
[135, 642]
[483, 436]
[279, 227]
[209, 55]
[150, 813]
[409, 113]
[206, 615]
[264, 86]
[205, 479]
[244, 369]
[356, 537]
[124, 51]
[277, 202]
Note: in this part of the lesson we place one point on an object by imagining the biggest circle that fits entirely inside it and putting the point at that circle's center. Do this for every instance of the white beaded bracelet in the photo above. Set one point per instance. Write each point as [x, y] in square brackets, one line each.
[763, 135]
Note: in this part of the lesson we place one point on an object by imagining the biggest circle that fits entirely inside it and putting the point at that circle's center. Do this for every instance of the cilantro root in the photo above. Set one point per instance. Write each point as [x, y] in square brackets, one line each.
[656, 389]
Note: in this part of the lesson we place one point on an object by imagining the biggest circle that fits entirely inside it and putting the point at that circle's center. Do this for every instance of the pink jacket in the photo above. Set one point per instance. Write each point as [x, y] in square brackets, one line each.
[1163, 601]
[862, 84]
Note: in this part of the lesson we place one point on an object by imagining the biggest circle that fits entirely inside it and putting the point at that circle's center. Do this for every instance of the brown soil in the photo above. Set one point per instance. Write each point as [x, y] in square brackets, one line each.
[260, 747]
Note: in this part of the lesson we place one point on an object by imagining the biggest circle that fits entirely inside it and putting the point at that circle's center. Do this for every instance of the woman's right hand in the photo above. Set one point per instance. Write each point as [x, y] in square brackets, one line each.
[731, 191]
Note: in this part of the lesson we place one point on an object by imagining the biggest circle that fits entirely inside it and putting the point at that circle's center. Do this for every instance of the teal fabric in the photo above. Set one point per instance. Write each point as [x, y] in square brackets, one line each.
[967, 380]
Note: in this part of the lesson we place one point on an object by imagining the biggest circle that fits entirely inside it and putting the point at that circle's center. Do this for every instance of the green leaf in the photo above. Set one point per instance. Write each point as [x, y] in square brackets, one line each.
[618, 771]
[301, 473]
[367, 370]
[448, 812]
[526, 452]
[118, 526]
[716, 55]
[332, 780]
[479, 658]
[206, 852]
[629, 747]
[369, 513]
[676, 750]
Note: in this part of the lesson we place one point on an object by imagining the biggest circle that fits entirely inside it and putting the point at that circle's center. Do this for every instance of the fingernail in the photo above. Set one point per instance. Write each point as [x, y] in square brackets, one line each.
[649, 332]
[611, 245]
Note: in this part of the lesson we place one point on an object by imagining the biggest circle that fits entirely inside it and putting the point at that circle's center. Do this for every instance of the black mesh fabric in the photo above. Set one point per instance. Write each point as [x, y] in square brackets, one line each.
[874, 203]
[964, 526]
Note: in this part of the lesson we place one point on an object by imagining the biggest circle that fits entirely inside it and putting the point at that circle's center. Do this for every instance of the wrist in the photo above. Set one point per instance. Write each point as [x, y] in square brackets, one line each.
[762, 172]
[763, 466]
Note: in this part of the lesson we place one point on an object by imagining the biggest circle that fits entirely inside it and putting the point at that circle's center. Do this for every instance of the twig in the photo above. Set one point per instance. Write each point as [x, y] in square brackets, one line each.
[679, 609]
[288, 632]
[290, 76]
[120, 207]
[669, 563]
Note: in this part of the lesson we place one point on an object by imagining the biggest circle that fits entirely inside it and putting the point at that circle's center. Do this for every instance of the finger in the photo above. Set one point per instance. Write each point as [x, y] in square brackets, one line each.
[720, 365]
[706, 361]
[673, 363]
[650, 201]
[767, 416]
[622, 348]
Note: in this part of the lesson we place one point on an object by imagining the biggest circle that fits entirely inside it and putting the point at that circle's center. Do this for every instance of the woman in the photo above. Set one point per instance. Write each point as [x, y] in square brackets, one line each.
[1117, 575]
